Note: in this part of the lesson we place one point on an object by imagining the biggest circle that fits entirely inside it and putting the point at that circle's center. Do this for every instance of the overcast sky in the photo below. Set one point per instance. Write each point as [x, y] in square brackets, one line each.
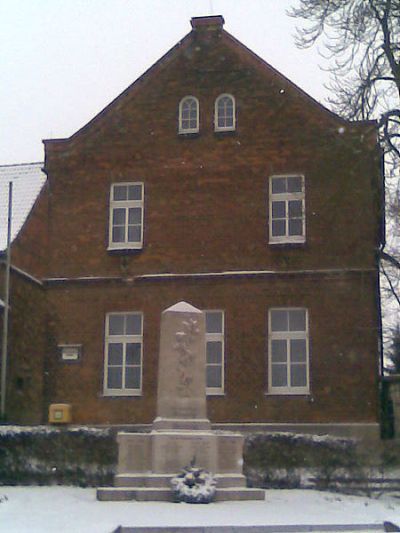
[62, 61]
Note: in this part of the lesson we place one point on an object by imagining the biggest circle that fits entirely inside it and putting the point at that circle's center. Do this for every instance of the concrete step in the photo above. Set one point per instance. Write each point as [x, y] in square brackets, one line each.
[300, 528]
[144, 494]
[164, 480]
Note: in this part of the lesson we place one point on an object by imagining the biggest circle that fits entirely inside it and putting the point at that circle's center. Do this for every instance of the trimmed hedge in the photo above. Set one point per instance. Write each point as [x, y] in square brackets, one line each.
[287, 460]
[67, 456]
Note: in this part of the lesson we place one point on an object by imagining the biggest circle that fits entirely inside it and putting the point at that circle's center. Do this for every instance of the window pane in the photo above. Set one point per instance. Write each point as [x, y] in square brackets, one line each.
[297, 320]
[214, 376]
[132, 377]
[279, 320]
[278, 185]
[133, 353]
[114, 377]
[298, 352]
[120, 192]
[214, 351]
[134, 233]
[118, 217]
[118, 234]
[115, 351]
[214, 322]
[295, 226]
[134, 324]
[221, 122]
[278, 209]
[116, 324]
[279, 376]
[189, 114]
[278, 351]
[294, 184]
[295, 208]
[278, 228]
[135, 192]
[298, 375]
[135, 215]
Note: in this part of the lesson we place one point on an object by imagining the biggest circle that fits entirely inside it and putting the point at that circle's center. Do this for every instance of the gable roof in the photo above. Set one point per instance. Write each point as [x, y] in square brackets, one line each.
[28, 180]
[201, 24]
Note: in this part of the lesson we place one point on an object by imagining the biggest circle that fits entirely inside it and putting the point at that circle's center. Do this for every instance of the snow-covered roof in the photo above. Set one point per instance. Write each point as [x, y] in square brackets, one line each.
[28, 179]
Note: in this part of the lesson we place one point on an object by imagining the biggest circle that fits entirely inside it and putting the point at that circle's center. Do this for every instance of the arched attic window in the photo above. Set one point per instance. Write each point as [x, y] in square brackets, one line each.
[189, 115]
[225, 113]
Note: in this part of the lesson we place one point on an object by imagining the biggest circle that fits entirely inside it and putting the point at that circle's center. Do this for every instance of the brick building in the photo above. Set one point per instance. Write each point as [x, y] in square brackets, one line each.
[215, 180]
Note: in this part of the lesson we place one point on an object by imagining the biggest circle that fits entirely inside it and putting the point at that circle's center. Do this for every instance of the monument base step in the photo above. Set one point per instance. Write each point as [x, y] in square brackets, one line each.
[164, 480]
[163, 494]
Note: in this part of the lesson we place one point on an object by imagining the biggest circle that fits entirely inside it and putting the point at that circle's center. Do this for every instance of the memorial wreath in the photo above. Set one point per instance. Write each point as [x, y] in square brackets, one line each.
[194, 485]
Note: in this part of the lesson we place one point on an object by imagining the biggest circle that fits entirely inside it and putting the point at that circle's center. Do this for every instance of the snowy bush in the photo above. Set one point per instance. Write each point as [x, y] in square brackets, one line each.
[46, 455]
[289, 460]
[194, 485]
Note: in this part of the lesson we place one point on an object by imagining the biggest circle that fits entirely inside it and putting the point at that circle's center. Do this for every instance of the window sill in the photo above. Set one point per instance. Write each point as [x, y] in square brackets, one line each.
[287, 393]
[212, 394]
[188, 134]
[223, 133]
[125, 249]
[121, 394]
[287, 242]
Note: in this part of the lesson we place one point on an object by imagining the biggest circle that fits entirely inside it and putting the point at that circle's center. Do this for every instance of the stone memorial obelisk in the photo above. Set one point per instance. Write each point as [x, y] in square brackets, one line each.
[181, 433]
[181, 396]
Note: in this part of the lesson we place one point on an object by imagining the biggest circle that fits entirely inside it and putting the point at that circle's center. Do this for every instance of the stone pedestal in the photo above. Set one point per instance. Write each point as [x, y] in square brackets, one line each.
[181, 432]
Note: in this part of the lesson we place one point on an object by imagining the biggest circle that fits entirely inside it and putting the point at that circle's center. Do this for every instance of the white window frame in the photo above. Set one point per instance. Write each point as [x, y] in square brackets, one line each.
[125, 204]
[231, 127]
[288, 336]
[181, 129]
[123, 339]
[219, 337]
[286, 197]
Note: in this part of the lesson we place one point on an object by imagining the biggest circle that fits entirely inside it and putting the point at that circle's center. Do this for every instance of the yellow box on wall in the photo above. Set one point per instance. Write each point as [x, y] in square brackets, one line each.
[60, 413]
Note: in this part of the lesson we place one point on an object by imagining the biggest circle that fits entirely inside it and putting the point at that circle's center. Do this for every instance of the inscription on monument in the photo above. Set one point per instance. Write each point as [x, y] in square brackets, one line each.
[185, 357]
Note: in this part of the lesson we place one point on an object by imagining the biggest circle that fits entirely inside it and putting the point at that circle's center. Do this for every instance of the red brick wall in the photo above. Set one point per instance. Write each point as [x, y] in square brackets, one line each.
[206, 199]
[343, 349]
[30, 248]
[206, 195]
[26, 352]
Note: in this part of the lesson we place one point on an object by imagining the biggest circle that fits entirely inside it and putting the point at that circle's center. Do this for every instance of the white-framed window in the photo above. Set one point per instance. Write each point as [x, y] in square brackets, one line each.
[224, 113]
[189, 115]
[287, 221]
[123, 354]
[126, 216]
[215, 341]
[288, 351]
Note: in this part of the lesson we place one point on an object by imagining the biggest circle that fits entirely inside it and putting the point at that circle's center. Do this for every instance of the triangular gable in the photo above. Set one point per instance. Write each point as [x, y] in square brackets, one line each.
[28, 180]
[256, 62]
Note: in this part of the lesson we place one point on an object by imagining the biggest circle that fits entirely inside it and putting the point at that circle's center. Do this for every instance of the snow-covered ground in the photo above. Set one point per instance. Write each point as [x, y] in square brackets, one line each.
[75, 510]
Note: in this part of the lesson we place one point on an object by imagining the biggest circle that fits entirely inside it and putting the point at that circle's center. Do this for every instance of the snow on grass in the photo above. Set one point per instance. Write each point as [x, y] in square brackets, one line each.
[69, 509]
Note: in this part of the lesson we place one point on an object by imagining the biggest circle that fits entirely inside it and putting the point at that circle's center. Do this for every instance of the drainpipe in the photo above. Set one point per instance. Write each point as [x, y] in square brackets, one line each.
[6, 308]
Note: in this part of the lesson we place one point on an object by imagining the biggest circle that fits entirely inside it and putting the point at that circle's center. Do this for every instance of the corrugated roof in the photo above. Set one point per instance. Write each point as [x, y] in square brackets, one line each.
[28, 179]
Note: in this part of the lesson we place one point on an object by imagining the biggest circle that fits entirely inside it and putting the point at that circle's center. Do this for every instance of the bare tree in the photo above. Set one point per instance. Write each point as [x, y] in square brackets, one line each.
[360, 39]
